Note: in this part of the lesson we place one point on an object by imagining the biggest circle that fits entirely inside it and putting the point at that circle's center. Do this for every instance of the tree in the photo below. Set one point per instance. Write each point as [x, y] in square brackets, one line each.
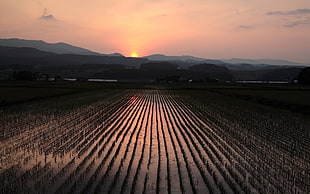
[23, 75]
[162, 66]
[304, 76]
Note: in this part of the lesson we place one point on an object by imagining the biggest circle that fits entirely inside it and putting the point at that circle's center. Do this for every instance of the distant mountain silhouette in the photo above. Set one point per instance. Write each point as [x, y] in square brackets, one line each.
[276, 74]
[205, 67]
[212, 71]
[283, 74]
[249, 67]
[13, 59]
[58, 48]
[160, 57]
[30, 56]
[235, 64]
[34, 57]
[26, 52]
[261, 62]
[115, 55]
[185, 58]
[163, 66]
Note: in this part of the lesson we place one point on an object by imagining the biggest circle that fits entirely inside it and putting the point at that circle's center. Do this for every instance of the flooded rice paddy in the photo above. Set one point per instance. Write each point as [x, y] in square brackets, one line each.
[140, 141]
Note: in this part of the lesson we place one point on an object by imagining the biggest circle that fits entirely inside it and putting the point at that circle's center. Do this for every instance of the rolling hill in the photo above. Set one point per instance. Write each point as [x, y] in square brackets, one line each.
[70, 61]
[58, 48]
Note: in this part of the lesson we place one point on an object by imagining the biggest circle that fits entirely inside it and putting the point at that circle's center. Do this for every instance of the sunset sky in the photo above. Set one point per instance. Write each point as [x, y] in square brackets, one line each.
[222, 29]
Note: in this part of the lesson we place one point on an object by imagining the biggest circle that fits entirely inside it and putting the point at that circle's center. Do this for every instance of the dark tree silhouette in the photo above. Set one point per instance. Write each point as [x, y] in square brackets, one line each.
[159, 66]
[304, 76]
[23, 75]
[211, 71]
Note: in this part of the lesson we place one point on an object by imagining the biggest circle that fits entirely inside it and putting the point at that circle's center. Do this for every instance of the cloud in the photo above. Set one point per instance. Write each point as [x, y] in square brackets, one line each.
[244, 27]
[294, 12]
[47, 17]
[294, 18]
[297, 23]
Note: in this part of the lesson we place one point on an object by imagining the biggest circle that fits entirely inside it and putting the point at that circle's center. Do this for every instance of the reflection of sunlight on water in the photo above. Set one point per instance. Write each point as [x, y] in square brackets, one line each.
[149, 141]
[132, 100]
[134, 143]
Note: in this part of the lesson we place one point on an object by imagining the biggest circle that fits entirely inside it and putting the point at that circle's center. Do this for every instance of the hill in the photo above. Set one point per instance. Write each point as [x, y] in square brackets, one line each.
[183, 58]
[58, 48]
[26, 52]
[116, 66]
[278, 74]
[66, 65]
[261, 62]
[161, 66]
[235, 64]
[212, 71]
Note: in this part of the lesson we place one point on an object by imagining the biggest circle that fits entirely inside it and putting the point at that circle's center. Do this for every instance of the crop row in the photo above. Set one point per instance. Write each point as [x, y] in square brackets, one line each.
[147, 141]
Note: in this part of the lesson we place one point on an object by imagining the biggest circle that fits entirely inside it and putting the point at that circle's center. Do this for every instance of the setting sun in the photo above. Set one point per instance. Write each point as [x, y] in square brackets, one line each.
[134, 54]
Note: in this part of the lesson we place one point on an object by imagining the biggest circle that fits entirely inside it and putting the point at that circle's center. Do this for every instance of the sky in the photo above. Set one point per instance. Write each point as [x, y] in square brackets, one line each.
[222, 29]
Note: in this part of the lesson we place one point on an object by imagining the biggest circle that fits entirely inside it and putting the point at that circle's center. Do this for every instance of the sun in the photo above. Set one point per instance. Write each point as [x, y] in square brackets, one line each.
[134, 54]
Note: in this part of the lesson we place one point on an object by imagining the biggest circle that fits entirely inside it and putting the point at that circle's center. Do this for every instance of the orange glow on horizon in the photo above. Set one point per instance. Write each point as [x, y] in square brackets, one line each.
[141, 28]
[134, 54]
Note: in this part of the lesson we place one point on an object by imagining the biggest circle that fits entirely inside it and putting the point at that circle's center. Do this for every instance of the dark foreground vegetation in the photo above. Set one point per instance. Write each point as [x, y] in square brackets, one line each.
[83, 137]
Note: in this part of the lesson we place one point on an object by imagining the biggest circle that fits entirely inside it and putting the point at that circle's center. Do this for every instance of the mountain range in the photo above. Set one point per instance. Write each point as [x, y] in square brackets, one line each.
[58, 48]
[64, 48]
[67, 60]
[261, 61]
[233, 64]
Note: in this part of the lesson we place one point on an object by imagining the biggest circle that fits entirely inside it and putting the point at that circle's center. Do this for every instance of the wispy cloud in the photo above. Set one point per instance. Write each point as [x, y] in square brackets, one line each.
[294, 12]
[48, 17]
[294, 18]
[297, 23]
[244, 27]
